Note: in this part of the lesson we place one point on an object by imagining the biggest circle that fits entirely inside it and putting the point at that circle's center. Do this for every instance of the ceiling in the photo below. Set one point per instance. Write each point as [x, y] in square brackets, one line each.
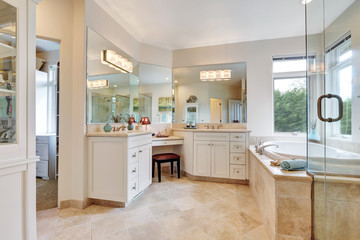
[179, 24]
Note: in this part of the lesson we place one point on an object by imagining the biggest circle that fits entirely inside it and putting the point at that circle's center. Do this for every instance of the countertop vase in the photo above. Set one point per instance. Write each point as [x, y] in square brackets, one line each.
[107, 127]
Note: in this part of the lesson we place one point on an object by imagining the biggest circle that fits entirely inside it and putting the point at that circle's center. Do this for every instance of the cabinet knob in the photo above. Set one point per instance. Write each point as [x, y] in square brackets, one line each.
[134, 171]
[237, 147]
[134, 155]
[134, 187]
[236, 136]
[140, 151]
[238, 159]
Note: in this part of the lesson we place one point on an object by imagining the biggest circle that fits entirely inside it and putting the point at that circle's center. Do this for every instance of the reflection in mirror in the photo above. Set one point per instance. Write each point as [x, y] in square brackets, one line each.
[155, 93]
[208, 94]
[8, 38]
[111, 91]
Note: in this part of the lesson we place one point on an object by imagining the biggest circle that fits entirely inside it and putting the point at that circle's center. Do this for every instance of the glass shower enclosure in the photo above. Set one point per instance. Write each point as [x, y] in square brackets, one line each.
[333, 80]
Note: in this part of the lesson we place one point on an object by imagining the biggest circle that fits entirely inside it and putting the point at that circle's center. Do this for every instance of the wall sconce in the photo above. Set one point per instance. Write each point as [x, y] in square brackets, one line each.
[114, 60]
[97, 84]
[218, 75]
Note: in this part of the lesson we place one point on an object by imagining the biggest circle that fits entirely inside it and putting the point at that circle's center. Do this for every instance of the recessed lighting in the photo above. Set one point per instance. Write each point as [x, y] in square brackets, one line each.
[304, 2]
[176, 81]
[167, 78]
[115, 85]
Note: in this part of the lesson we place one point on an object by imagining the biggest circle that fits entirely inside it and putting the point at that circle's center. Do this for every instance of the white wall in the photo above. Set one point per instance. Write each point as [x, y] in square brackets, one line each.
[64, 21]
[258, 58]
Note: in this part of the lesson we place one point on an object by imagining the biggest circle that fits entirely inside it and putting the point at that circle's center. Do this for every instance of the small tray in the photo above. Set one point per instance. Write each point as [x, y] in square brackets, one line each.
[161, 136]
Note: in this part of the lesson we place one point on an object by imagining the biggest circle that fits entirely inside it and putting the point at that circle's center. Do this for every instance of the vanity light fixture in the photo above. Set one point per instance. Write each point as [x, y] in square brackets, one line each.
[97, 84]
[218, 75]
[114, 60]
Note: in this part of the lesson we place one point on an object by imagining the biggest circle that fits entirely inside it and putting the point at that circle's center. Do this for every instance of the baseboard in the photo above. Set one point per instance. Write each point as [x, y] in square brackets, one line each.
[78, 204]
[214, 179]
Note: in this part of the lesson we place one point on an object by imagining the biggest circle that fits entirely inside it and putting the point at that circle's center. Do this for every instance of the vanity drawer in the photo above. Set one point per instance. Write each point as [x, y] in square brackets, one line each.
[238, 137]
[133, 155]
[237, 171]
[42, 139]
[168, 142]
[42, 169]
[133, 188]
[133, 170]
[216, 136]
[238, 147]
[136, 141]
[42, 150]
[237, 158]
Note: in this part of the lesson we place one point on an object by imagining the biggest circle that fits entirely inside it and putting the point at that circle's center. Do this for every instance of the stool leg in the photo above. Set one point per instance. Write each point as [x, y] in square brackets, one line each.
[159, 171]
[172, 167]
[178, 167]
[153, 168]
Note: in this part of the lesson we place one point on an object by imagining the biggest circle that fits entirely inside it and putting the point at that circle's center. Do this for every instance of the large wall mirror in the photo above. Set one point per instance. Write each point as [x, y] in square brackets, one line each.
[210, 93]
[155, 93]
[8, 44]
[112, 82]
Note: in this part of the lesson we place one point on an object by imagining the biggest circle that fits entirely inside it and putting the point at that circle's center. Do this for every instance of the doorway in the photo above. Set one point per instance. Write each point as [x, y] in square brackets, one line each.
[216, 110]
[47, 122]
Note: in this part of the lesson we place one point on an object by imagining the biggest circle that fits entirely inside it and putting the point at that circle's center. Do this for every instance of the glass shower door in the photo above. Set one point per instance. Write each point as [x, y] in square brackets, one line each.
[333, 85]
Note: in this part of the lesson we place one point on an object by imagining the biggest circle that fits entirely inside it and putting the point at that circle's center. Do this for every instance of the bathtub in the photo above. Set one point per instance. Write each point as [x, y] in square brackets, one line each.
[337, 161]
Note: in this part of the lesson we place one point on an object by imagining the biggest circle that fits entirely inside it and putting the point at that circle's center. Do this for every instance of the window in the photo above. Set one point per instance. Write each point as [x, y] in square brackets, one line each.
[289, 74]
[339, 81]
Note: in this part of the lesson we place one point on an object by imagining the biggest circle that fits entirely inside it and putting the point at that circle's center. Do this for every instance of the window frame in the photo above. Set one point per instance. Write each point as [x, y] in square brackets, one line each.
[334, 66]
[286, 75]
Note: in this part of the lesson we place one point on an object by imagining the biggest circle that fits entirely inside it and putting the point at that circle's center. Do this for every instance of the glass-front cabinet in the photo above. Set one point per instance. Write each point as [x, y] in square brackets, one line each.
[8, 77]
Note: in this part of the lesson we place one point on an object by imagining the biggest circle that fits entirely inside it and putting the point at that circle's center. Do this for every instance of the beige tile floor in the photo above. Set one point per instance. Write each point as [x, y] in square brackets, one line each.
[175, 209]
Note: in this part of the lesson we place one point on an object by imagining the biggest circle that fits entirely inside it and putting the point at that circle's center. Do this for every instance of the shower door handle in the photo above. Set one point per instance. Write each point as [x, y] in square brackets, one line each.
[319, 109]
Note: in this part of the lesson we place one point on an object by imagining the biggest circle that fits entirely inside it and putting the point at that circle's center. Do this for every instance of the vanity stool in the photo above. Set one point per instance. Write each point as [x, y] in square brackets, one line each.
[164, 158]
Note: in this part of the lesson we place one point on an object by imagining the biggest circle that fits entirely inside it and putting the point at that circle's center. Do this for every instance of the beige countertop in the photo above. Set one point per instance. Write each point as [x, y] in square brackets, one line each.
[169, 138]
[276, 171]
[118, 133]
[211, 130]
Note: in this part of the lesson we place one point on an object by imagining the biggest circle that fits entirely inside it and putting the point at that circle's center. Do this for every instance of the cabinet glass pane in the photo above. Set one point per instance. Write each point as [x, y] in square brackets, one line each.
[8, 86]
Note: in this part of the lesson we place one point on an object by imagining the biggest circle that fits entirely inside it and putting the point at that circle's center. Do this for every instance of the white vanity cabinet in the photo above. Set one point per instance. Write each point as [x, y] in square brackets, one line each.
[211, 154]
[238, 155]
[46, 150]
[119, 166]
[215, 153]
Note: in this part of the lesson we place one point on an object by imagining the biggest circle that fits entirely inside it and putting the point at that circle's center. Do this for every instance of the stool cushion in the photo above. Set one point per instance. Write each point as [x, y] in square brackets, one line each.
[165, 156]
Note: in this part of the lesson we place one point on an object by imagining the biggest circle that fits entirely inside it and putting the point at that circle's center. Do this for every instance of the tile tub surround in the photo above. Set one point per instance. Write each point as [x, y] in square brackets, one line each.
[284, 199]
[341, 213]
[175, 209]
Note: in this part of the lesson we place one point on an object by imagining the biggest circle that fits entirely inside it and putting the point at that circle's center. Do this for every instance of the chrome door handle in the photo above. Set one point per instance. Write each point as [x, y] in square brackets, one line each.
[319, 108]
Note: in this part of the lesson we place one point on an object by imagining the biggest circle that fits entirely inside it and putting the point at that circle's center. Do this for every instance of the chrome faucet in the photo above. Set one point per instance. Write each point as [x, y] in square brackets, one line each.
[257, 144]
[117, 129]
[260, 150]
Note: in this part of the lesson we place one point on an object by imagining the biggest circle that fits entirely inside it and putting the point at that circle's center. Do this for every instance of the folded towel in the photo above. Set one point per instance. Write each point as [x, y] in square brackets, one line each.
[296, 164]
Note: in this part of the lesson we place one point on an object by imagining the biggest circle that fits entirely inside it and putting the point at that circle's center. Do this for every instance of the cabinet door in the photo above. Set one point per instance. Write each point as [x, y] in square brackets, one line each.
[145, 177]
[220, 159]
[202, 155]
